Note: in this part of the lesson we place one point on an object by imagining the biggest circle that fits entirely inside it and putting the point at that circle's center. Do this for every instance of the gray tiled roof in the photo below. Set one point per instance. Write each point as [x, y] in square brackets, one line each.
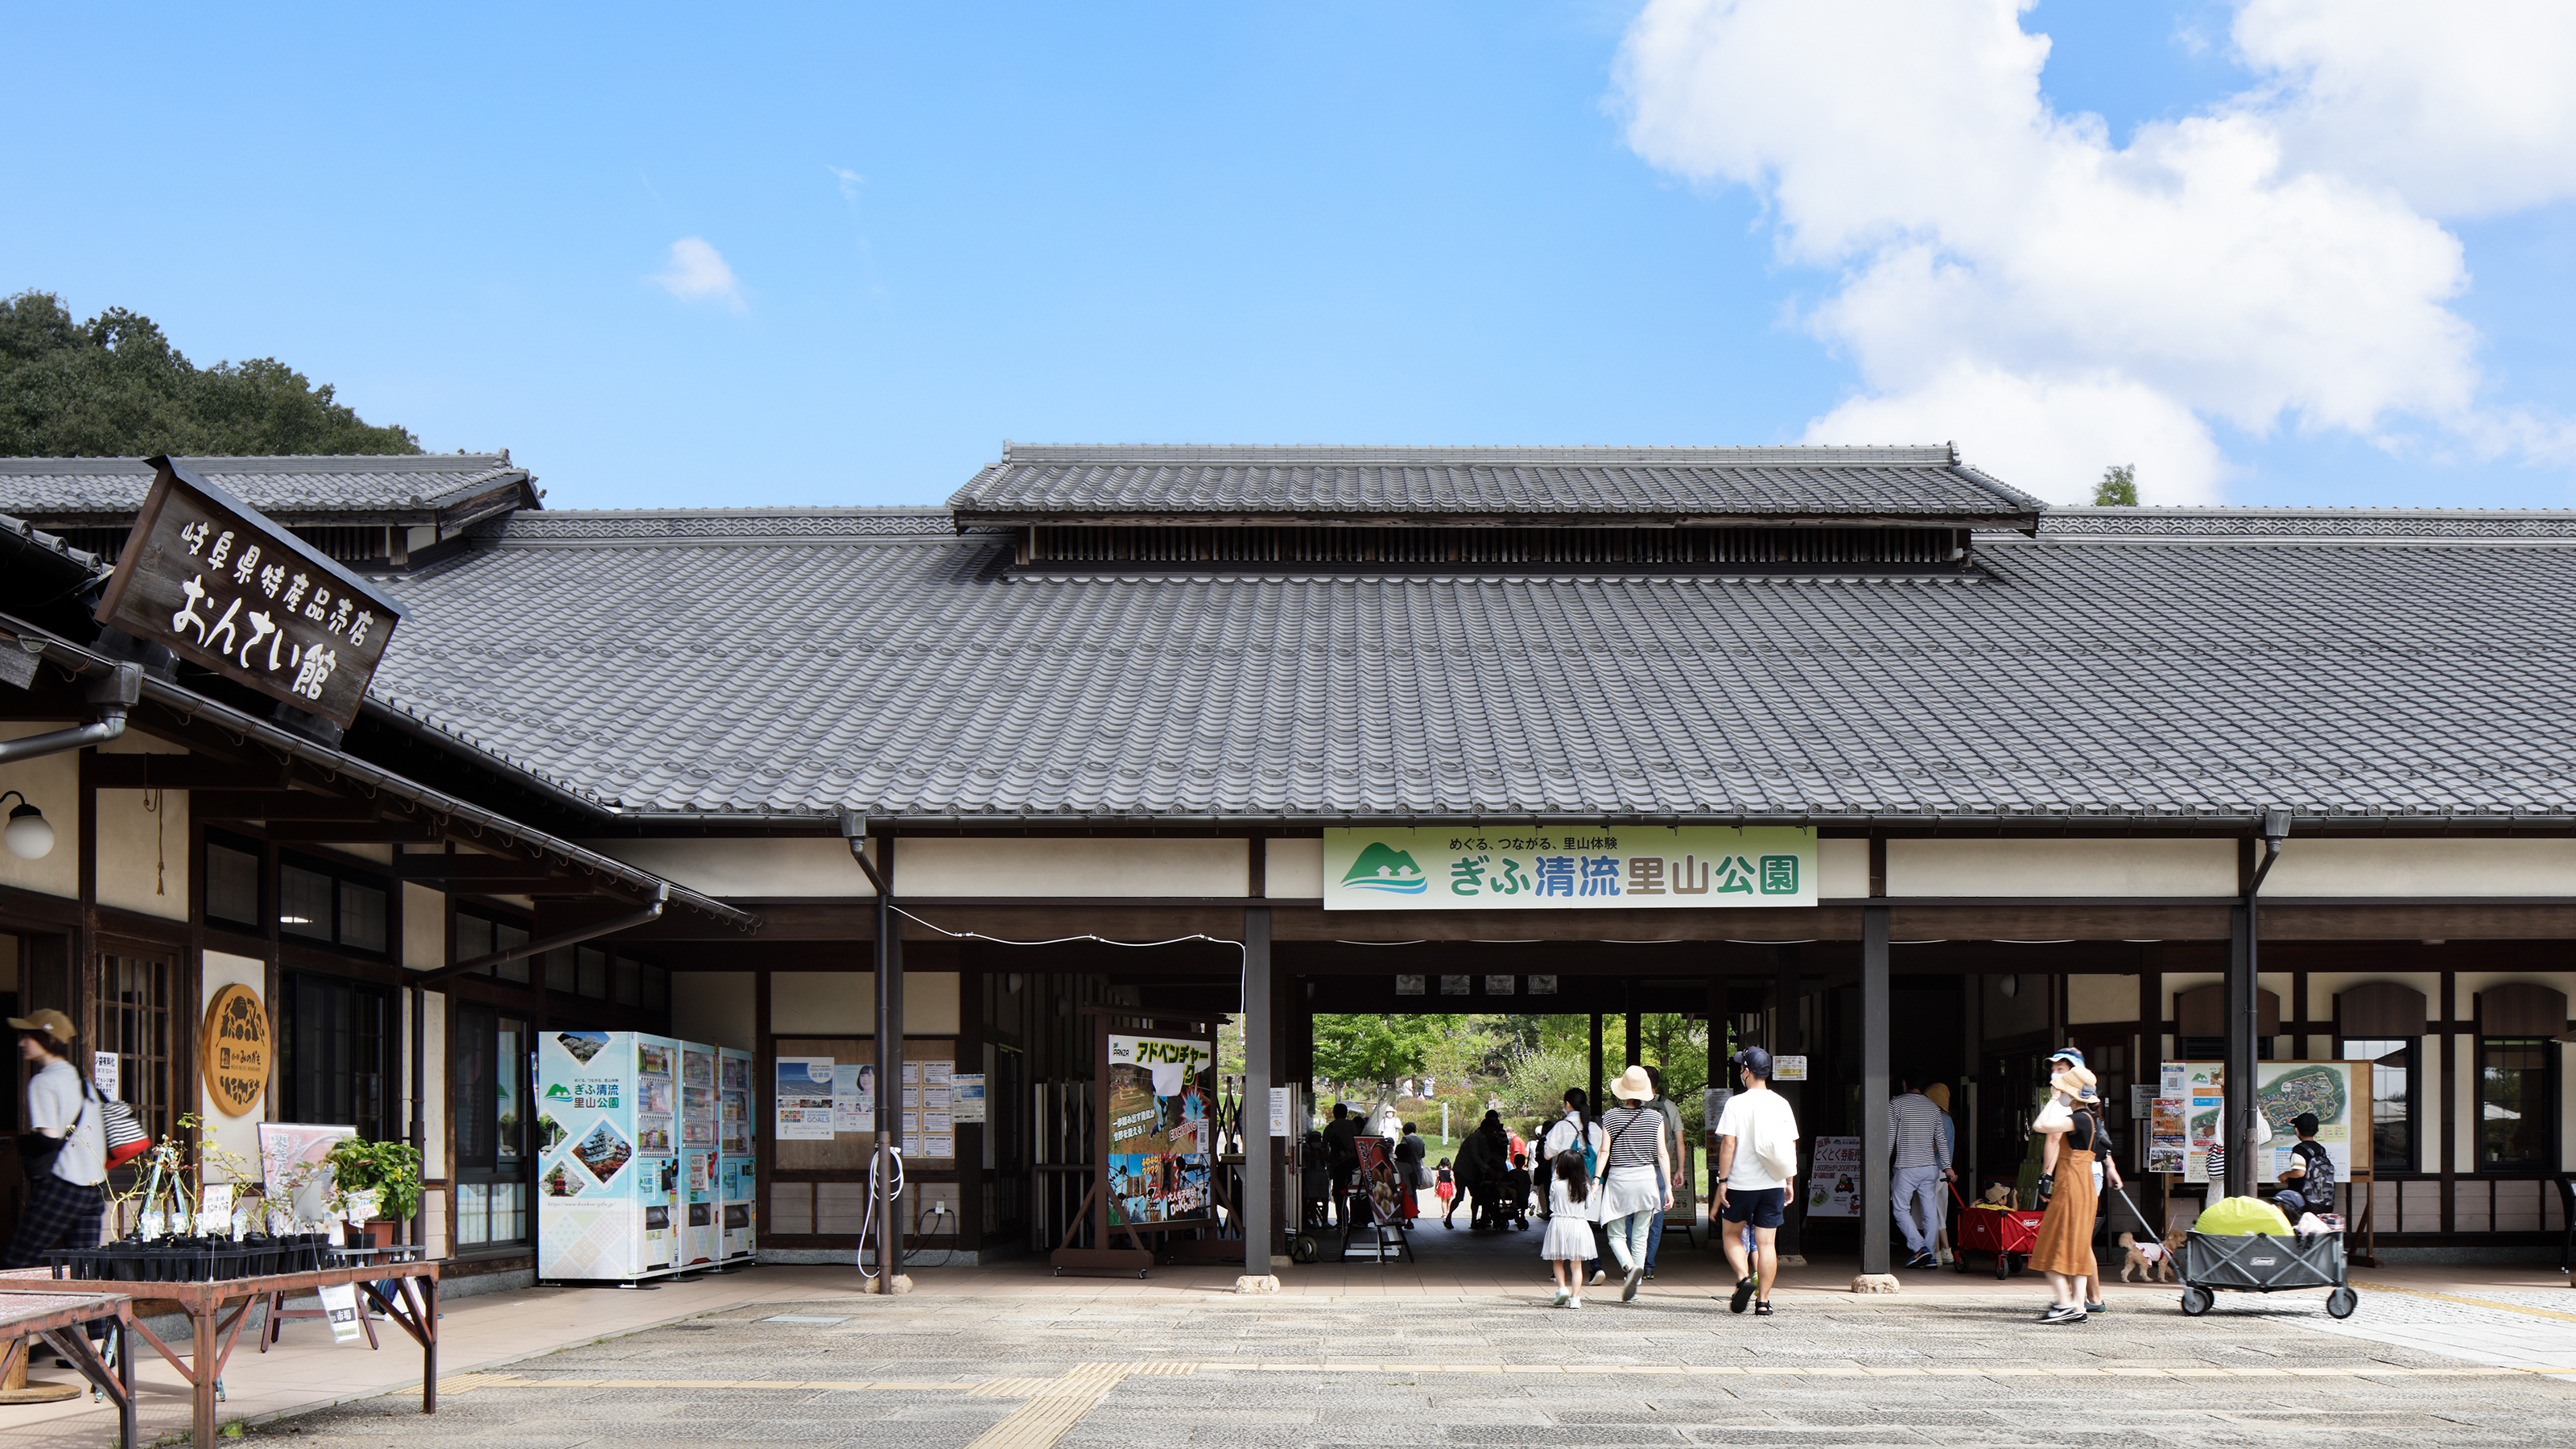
[1606, 483]
[2062, 679]
[2316, 523]
[286, 488]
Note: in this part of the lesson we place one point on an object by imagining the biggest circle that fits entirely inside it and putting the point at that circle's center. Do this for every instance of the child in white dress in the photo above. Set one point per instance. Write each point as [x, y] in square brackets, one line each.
[1568, 1244]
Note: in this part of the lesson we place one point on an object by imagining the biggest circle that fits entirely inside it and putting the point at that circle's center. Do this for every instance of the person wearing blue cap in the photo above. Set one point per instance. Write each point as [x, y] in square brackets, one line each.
[1757, 1166]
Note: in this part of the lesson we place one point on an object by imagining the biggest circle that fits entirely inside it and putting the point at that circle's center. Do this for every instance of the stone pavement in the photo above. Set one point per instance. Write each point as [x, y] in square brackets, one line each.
[1673, 1368]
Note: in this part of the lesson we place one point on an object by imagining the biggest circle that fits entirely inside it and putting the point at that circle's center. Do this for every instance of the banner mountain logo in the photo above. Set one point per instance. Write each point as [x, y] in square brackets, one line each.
[1382, 867]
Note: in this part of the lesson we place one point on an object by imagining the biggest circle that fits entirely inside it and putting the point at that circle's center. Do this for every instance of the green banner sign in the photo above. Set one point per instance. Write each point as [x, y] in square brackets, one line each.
[1611, 868]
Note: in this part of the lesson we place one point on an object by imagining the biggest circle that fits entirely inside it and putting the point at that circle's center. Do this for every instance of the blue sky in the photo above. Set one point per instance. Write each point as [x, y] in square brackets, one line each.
[1426, 223]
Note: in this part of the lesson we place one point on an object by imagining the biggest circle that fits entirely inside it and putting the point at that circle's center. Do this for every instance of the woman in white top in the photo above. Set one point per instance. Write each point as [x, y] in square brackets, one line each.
[1636, 1175]
[64, 1203]
[1572, 1133]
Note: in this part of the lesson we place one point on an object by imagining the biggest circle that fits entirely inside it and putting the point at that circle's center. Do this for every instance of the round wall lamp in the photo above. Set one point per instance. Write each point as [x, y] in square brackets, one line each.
[2010, 986]
[29, 835]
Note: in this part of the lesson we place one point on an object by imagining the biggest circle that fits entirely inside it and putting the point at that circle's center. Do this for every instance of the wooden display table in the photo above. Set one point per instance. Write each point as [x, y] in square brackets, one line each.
[204, 1305]
[55, 1314]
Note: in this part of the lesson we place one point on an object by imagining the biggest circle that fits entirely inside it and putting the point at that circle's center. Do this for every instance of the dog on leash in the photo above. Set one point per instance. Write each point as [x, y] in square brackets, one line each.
[2148, 1262]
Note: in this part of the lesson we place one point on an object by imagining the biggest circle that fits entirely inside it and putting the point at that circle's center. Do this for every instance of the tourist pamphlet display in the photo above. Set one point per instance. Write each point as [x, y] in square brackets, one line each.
[737, 1171]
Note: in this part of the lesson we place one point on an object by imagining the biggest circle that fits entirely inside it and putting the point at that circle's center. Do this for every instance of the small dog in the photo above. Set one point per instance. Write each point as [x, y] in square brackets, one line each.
[2147, 1262]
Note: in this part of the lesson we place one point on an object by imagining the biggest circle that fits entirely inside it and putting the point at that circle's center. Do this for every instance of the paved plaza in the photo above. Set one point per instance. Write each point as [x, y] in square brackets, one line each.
[1201, 1367]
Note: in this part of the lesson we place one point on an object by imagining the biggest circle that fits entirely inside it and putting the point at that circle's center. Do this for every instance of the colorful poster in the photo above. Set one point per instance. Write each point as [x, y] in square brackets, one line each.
[2282, 1090]
[967, 1100]
[854, 1098]
[2167, 1143]
[804, 1099]
[1833, 1182]
[1159, 1141]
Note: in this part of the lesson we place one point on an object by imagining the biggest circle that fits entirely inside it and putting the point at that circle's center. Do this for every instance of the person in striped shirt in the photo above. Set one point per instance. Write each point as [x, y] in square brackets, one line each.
[1919, 1151]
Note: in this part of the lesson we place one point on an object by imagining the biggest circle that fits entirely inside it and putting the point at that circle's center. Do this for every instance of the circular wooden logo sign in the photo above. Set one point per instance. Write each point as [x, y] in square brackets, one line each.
[235, 1050]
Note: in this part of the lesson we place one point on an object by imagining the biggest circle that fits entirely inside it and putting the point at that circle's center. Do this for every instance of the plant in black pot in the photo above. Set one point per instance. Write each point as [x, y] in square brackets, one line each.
[373, 1181]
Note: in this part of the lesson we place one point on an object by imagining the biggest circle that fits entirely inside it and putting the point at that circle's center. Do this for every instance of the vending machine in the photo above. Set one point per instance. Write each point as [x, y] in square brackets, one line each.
[736, 1171]
[701, 1231]
[609, 1195]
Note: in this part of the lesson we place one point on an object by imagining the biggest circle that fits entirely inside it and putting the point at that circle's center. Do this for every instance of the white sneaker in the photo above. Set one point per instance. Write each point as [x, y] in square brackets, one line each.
[1599, 1276]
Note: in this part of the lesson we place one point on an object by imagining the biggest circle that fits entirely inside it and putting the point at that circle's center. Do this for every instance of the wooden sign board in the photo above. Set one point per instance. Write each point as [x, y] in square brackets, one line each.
[236, 1050]
[210, 578]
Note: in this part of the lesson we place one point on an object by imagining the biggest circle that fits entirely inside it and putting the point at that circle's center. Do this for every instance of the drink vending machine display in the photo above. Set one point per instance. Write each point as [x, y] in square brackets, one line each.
[700, 1237]
[613, 1190]
[737, 1174]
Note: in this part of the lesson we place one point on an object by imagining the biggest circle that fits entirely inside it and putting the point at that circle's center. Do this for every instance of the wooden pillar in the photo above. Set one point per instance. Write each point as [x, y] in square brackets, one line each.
[2151, 1056]
[1596, 1063]
[2449, 1097]
[1875, 1207]
[1257, 1143]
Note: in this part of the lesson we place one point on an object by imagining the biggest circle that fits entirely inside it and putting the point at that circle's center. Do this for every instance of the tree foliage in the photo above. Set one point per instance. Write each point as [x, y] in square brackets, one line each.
[2118, 488]
[1373, 1048]
[114, 387]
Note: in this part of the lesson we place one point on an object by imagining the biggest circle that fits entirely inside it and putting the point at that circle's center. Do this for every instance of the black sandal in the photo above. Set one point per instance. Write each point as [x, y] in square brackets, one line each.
[1761, 1310]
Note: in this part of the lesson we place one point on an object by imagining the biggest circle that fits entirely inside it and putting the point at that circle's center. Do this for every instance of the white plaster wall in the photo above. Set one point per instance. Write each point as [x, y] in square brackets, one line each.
[1842, 869]
[2060, 867]
[1078, 866]
[424, 916]
[789, 867]
[719, 1007]
[1294, 869]
[236, 1135]
[2445, 867]
[2473, 982]
[834, 1003]
[433, 1079]
[51, 783]
[132, 841]
[2101, 998]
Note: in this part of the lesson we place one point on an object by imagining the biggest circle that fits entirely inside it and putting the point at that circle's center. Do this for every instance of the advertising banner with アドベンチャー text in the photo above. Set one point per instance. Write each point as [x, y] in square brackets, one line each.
[1688, 867]
[1161, 1146]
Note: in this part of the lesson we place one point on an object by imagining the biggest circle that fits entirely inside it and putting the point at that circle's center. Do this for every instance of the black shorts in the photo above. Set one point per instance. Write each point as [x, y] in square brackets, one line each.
[1761, 1206]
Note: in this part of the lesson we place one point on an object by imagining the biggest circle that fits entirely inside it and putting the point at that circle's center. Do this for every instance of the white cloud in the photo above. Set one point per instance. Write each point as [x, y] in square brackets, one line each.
[698, 274]
[2463, 106]
[849, 181]
[2013, 280]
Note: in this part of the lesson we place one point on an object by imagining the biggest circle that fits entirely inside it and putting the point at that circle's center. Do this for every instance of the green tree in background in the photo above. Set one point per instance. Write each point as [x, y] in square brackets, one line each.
[114, 387]
[1373, 1048]
[2118, 488]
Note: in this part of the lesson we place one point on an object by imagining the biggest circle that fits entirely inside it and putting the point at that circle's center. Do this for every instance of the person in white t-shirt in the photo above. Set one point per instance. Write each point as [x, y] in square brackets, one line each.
[1572, 1133]
[64, 1203]
[1756, 1135]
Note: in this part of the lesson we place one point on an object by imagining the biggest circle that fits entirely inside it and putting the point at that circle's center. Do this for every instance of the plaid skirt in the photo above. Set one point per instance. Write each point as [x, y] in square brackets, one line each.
[59, 1214]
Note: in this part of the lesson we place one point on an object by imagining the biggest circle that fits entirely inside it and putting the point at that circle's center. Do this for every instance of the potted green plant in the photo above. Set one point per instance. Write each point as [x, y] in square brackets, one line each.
[374, 1181]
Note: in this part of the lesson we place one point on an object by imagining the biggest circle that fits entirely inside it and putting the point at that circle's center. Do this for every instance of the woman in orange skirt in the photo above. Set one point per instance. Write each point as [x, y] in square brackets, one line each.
[2065, 1247]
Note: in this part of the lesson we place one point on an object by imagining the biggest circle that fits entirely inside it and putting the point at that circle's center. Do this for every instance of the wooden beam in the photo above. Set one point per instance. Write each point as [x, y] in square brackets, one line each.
[474, 868]
[277, 805]
[182, 772]
[328, 832]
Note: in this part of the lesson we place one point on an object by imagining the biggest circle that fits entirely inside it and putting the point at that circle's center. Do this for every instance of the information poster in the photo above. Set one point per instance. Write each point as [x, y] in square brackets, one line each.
[2167, 1144]
[1833, 1182]
[2282, 1090]
[1160, 1143]
[805, 1093]
[968, 1096]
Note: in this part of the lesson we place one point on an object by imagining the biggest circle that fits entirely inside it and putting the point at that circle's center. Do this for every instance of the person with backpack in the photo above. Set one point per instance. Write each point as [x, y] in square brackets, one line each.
[1636, 1182]
[65, 1153]
[1568, 1243]
[1757, 1165]
[1575, 1132]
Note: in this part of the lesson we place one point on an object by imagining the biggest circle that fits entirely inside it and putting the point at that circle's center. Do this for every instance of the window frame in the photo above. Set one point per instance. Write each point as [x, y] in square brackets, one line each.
[363, 996]
[341, 876]
[2546, 1093]
[482, 1029]
[2350, 1049]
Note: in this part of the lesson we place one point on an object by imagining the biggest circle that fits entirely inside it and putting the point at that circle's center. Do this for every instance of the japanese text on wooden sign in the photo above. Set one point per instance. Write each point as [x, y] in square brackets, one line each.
[1601, 868]
[208, 577]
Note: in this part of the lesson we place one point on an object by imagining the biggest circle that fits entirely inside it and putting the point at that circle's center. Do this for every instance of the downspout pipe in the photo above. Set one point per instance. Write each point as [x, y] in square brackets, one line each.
[114, 695]
[888, 966]
[2244, 1016]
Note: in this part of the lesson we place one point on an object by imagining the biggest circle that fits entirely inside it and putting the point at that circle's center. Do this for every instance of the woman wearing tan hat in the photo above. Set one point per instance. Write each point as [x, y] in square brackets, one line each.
[1636, 1174]
[66, 1153]
[2065, 1247]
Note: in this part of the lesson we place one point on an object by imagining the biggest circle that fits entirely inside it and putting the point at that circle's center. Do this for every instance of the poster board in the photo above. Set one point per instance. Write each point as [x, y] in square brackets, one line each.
[835, 1130]
[2190, 1102]
[1158, 1136]
[1833, 1182]
[290, 1155]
